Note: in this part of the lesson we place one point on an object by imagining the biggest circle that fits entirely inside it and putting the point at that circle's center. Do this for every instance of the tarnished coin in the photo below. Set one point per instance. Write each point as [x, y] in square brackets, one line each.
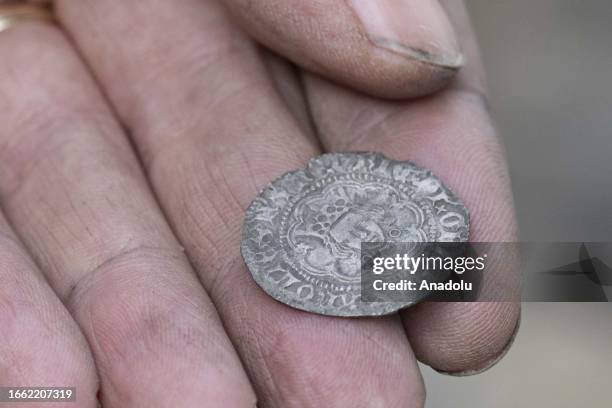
[302, 235]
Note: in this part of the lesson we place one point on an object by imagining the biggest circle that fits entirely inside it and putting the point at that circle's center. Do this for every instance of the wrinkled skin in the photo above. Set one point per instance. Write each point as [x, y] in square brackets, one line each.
[132, 140]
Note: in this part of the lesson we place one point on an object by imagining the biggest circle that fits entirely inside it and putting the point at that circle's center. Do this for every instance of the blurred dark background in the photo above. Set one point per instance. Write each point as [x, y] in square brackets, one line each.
[548, 63]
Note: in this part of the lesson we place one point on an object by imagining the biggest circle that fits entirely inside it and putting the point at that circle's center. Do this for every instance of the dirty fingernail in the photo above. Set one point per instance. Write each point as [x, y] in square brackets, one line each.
[416, 29]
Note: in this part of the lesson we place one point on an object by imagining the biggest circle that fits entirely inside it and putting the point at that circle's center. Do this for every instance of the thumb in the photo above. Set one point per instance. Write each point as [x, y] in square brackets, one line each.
[386, 48]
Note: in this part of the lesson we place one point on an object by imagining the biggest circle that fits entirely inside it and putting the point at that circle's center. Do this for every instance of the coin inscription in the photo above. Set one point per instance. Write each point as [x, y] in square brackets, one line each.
[302, 235]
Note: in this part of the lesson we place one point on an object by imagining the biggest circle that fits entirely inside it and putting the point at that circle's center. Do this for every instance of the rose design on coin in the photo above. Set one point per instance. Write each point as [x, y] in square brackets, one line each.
[302, 235]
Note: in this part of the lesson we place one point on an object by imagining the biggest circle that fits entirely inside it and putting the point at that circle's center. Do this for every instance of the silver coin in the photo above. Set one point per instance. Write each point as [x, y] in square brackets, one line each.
[302, 235]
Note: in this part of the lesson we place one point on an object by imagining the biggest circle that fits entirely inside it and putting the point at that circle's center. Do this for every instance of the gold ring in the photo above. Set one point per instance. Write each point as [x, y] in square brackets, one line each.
[14, 12]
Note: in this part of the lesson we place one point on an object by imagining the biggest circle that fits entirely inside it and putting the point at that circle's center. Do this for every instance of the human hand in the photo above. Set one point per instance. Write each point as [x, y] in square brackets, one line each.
[214, 118]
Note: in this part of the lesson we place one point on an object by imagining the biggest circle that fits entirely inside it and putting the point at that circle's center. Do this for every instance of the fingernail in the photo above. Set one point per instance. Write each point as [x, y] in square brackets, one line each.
[417, 29]
[490, 363]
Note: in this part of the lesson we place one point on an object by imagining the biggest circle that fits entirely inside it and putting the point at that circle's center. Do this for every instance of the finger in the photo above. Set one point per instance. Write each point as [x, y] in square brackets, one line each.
[40, 344]
[287, 82]
[387, 48]
[213, 132]
[451, 134]
[75, 192]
